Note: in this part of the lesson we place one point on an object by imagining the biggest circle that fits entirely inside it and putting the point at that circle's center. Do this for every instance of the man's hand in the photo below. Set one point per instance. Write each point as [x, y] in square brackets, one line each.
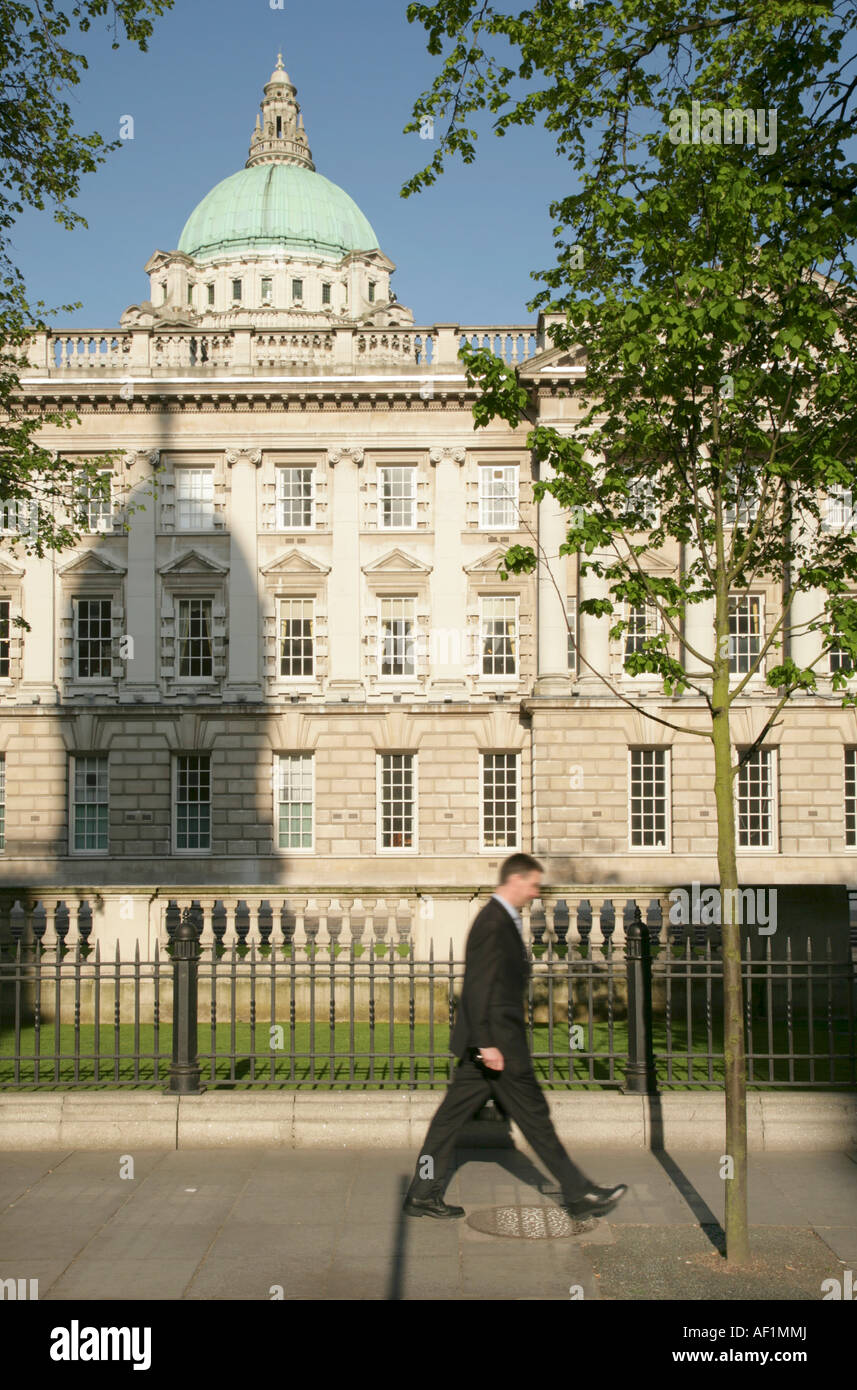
[492, 1058]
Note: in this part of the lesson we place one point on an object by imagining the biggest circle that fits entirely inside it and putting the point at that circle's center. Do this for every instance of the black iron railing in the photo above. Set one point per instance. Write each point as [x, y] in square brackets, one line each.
[638, 1015]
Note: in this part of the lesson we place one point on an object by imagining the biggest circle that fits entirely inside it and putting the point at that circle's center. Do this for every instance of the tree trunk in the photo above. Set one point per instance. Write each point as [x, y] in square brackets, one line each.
[737, 1233]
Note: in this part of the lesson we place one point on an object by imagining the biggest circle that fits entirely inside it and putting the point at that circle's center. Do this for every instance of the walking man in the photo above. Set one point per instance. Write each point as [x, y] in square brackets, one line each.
[490, 1040]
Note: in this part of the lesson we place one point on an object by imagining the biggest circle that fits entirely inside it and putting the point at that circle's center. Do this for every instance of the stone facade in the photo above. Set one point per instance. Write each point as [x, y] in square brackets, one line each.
[298, 668]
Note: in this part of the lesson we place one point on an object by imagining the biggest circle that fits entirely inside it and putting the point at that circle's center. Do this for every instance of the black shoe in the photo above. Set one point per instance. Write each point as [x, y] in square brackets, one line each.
[597, 1201]
[431, 1205]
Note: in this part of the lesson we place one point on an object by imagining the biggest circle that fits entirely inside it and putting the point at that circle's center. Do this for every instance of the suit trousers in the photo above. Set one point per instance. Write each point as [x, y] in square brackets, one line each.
[521, 1096]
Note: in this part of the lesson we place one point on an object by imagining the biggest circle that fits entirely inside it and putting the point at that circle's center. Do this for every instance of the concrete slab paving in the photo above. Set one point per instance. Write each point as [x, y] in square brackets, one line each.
[231, 1224]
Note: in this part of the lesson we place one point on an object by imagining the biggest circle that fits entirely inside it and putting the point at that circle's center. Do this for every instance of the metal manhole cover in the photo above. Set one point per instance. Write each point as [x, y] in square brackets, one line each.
[528, 1223]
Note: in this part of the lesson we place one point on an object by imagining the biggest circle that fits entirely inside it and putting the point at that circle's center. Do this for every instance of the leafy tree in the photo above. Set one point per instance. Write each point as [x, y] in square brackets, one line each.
[43, 160]
[708, 288]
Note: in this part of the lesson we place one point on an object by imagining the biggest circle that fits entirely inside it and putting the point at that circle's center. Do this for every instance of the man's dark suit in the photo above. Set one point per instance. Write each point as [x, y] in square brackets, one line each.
[491, 1014]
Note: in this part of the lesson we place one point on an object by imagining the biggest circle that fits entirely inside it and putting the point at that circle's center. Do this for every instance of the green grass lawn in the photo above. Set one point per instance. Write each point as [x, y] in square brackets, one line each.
[373, 1066]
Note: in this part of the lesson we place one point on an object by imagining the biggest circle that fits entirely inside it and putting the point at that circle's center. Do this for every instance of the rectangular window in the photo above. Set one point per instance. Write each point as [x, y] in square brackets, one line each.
[297, 289]
[297, 641]
[756, 808]
[397, 637]
[851, 797]
[190, 294]
[398, 828]
[92, 628]
[398, 497]
[744, 507]
[193, 801]
[325, 294]
[499, 628]
[211, 294]
[639, 501]
[5, 636]
[648, 797]
[371, 291]
[194, 499]
[642, 619]
[838, 511]
[294, 801]
[236, 291]
[195, 654]
[498, 496]
[2, 800]
[15, 515]
[267, 289]
[571, 617]
[94, 502]
[295, 493]
[745, 632]
[840, 660]
[90, 817]
[499, 800]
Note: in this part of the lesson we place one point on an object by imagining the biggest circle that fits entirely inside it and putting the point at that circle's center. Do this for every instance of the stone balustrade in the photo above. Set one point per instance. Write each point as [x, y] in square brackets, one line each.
[263, 349]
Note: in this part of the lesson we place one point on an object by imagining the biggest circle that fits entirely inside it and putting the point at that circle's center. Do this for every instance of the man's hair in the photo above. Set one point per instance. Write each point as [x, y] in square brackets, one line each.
[519, 864]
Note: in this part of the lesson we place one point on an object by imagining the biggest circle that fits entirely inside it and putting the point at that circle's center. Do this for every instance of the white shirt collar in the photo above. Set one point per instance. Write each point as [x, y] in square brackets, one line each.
[512, 911]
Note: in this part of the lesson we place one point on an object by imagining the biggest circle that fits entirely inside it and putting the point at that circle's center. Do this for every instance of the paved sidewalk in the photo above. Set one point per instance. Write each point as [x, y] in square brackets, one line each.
[232, 1223]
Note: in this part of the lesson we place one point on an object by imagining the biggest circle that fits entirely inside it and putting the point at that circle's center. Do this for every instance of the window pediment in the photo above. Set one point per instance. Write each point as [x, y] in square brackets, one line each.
[395, 568]
[91, 564]
[192, 564]
[294, 562]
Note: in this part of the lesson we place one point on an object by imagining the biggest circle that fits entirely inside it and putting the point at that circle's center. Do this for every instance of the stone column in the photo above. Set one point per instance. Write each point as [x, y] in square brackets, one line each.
[449, 657]
[805, 647]
[344, 583]
[593, 634]
[553, 675]
[39, 647]
[698, 627]
[141, 605]
[244, 605]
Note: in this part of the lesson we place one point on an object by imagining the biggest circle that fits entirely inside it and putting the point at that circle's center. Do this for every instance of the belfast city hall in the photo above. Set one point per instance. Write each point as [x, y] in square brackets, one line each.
[281, 665]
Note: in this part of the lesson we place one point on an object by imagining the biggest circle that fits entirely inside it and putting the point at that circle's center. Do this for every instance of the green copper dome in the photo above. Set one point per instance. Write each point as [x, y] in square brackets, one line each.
[272, 207]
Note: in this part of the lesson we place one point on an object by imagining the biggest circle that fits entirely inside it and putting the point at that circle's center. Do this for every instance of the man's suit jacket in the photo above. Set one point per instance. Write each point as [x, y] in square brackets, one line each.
[496, 973]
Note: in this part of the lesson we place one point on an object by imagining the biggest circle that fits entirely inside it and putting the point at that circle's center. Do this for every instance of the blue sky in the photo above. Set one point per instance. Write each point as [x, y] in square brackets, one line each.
[463, 249]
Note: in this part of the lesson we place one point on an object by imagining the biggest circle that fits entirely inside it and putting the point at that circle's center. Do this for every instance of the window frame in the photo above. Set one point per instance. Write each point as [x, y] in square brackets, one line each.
[500, 753]
[507, 677]
[288, 599]
[282, 470]
[483, 498]
[741, 598]
[666, 751]
[407, 469]
[73, 848]
[76, 601]
[412, 675]
[185, 471]
[174, 803]
[849, 752]
[380, 847]
[178, 600]
[307, 756]
[85, 500]
[772, 752]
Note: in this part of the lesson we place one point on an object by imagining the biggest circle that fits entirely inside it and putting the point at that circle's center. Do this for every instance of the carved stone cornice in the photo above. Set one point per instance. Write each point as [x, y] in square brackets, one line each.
[335, 455]
[234, 456]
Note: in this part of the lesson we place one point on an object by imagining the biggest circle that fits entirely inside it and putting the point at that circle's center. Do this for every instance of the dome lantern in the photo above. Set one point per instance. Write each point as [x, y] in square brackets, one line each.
[279, 137]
